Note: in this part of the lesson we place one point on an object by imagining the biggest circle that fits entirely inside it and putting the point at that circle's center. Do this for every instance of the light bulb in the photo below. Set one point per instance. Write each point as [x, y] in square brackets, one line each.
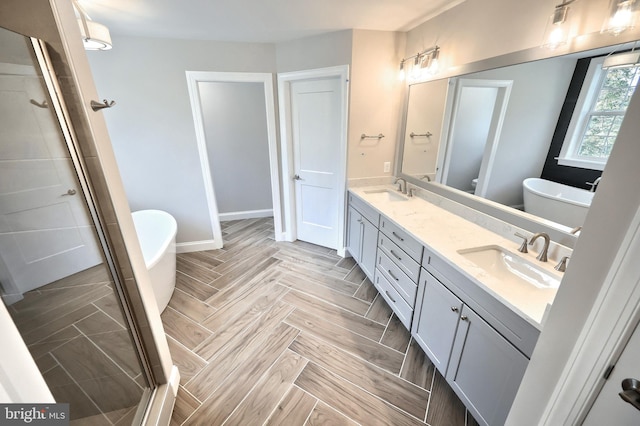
[621, 18]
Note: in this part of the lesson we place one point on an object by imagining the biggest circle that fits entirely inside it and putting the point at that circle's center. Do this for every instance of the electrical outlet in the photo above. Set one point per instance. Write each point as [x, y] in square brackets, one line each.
[387, 166]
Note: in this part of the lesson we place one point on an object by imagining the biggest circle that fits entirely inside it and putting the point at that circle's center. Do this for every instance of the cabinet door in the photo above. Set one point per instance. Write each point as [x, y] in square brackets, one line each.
[369, 248]
[354, 233]
[436, 320]
[485, 369]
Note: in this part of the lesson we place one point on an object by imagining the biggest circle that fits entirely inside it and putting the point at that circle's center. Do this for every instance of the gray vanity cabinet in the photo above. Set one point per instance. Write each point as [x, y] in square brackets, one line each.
[362, 235]
[481, 351]
[485, 370]
[436, 320]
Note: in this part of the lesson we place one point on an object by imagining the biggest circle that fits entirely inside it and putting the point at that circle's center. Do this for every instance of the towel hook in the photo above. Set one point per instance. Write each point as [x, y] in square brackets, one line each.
[97, 106]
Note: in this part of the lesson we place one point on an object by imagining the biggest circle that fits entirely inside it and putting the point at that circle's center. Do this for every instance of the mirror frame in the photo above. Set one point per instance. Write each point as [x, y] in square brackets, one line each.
[595, 44]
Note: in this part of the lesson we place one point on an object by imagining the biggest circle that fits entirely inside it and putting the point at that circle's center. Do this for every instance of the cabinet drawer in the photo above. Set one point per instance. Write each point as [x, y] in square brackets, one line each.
[366, 210]
[402, 310]
[398, 279]
[399, 257]
[402, 238]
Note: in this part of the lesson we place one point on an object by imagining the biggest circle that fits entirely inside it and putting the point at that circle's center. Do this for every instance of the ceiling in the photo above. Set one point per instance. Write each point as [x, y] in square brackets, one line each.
[265, 21]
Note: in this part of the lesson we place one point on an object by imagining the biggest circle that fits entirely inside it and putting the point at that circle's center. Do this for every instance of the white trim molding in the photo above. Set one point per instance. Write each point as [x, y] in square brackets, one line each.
[195, 77]
[286, 144]
[249, 214]
[190, 246]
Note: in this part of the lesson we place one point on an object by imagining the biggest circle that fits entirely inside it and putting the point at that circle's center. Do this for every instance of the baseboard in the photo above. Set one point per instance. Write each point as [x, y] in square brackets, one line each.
[163, 401]
[248, 214]
[197, 246]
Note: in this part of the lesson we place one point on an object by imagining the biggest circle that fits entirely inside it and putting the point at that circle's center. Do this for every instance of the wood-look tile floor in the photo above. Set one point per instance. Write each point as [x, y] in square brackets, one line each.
[292, 334]
[76, 334]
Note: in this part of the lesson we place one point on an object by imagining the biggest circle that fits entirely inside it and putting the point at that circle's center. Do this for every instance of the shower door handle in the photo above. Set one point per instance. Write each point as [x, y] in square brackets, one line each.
[69, 192]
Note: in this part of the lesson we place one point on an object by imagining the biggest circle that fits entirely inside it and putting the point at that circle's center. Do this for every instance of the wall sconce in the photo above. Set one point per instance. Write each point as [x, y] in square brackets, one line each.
[424, 63]
[556, 33]
[622, 16]
[402, 73]
[95, 36]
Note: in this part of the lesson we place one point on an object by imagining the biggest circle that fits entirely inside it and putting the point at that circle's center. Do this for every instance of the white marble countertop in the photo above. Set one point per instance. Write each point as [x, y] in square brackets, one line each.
[445, 233]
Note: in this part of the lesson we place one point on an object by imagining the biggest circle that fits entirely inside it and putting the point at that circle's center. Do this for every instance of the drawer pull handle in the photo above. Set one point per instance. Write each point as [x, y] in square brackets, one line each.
[454, 309]
[392, 276]
[395, 255]
[464, 318]
[397, 236]
[389, 296]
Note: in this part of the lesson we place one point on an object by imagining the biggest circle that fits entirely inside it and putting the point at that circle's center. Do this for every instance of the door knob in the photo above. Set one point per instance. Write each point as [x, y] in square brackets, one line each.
[631, 392]
[297, 177]
[69, 192]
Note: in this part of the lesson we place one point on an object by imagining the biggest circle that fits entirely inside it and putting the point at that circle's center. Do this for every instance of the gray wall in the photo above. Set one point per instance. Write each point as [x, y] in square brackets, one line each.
[152, 128]
[235, 125]
[537, 94]
[322, 51]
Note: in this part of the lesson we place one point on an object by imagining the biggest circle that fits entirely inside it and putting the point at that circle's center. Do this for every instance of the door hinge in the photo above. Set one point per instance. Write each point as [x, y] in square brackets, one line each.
[608, 371]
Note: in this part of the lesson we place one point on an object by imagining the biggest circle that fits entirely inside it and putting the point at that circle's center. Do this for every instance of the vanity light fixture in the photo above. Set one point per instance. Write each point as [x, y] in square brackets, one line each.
[622, 15]
[556, 33]
[95, 36]
[425, 62]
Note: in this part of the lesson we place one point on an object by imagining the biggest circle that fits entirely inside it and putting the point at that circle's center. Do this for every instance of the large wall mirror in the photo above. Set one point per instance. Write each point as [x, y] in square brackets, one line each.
[507, 140]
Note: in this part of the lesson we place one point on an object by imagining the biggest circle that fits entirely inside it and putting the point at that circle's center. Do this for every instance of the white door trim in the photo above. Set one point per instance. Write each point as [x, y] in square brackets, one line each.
[284, 106]
[615, 315]
[193, 78]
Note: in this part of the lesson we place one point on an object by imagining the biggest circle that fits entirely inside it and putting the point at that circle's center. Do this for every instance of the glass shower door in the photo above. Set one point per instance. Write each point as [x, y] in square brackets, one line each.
[54, 280]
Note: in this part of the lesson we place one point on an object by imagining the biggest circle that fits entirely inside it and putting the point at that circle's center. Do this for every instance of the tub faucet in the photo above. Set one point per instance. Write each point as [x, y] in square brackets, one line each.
[542, 257]
[402, 185]
[594, 184]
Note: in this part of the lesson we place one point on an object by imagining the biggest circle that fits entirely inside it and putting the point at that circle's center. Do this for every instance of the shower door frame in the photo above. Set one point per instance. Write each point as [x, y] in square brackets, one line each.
[56, 39]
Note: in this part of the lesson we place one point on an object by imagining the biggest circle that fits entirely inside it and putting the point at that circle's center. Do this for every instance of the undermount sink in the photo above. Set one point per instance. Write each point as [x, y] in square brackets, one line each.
[504, 265]
[387, 195]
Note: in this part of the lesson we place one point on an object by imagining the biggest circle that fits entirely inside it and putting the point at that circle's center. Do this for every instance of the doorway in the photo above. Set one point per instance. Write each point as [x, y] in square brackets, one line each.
[478, 111]
[234, 118]
[313, 127]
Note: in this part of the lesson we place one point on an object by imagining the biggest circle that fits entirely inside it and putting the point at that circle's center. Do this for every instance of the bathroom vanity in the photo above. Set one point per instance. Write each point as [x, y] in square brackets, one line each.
[442, 276]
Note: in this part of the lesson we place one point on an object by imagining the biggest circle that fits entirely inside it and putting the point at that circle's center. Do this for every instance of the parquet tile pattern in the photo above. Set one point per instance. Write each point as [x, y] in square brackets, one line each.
[268, 333]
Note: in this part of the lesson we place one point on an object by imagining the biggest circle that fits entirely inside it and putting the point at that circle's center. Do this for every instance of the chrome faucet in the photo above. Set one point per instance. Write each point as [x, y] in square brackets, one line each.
[542, 257]
[594, 184]
[402, 185]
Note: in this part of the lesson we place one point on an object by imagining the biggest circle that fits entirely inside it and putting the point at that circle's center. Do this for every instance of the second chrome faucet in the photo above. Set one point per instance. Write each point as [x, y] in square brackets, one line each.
[542, 256]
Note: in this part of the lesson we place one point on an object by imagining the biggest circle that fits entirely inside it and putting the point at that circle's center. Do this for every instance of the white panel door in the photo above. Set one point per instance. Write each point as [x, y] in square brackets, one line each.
[316, 125]
[609, 408]
[45, 231]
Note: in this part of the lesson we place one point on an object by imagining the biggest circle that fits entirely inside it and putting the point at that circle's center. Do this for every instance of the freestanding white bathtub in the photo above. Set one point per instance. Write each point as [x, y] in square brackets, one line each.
[557, 202]
[156, 232]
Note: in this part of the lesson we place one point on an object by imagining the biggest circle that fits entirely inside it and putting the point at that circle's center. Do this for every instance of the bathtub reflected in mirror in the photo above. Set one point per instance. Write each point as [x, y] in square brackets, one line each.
[556, 202]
